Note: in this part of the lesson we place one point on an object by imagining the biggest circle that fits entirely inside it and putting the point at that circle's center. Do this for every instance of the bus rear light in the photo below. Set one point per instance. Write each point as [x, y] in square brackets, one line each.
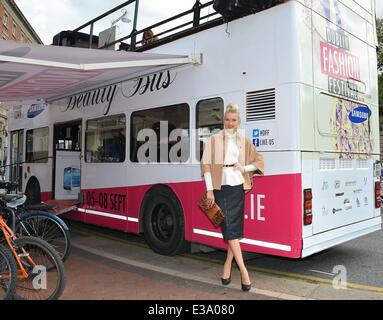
[308, 194]
[307, 207]
[378, 199]
[308, 219]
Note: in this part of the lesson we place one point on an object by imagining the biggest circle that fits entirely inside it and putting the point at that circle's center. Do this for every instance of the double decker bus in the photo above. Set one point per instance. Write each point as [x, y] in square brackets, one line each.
[304, 74]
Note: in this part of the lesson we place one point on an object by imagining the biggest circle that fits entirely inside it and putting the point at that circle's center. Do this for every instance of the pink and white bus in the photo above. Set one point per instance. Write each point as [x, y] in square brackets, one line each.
[304, 73]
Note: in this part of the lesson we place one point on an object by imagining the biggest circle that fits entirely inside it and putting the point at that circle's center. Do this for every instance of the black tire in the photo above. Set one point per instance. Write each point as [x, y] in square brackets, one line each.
[48, 267]
[33, 191]
[8, 273]
[163, 222]
[48, 227]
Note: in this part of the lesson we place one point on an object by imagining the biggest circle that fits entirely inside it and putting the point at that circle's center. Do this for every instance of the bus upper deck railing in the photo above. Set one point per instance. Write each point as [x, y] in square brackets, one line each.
[221, 12]
[193, 25]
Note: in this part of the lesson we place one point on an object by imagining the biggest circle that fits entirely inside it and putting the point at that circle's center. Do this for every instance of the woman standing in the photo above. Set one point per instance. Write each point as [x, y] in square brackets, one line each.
[228, 164]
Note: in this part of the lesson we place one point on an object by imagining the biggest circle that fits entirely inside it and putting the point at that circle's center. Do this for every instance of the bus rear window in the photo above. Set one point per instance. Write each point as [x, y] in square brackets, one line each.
[37, 145]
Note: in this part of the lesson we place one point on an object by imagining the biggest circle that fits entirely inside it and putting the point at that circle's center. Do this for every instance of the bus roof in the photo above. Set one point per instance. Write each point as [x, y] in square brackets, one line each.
[29, 71]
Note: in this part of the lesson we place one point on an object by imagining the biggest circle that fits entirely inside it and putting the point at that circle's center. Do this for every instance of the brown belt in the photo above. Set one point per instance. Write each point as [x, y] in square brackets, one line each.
[228, 165]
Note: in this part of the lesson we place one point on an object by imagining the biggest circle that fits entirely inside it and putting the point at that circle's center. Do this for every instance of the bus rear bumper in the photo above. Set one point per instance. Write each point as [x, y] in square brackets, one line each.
[328, 239]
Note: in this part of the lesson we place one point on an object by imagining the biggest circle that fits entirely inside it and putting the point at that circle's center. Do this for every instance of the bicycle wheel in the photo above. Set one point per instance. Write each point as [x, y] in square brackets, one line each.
[8, 272]
[46, 275]
[48, 227]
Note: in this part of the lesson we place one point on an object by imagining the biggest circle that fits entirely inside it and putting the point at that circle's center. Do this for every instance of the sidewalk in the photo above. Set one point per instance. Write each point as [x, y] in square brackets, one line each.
[101, 268]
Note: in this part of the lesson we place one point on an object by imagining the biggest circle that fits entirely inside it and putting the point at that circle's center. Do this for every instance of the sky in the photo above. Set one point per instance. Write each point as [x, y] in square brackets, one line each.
[49, 17]
[379, 8]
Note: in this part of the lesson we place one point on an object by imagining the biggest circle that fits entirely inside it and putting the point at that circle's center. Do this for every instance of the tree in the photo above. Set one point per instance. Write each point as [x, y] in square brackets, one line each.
[380, 88]
[379, 31]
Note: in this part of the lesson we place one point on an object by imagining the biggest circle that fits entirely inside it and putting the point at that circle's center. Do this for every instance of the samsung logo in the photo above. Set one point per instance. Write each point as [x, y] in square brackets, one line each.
[35, 110]
[360, 114]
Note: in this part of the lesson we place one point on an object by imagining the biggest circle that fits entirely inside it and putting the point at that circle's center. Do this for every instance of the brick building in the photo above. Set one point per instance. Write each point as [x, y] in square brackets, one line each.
[13, 26]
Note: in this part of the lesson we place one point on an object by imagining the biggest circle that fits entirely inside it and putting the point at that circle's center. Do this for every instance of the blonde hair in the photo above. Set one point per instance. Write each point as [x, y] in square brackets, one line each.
[232, 107]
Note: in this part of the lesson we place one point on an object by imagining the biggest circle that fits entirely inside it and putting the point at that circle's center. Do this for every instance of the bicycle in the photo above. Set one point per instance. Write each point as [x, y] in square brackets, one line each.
[38, 222]
[8, 270]
[46, 226]
[40, 270]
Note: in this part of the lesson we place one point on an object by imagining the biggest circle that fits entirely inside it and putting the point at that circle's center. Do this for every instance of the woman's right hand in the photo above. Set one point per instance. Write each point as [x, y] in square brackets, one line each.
[210, 198]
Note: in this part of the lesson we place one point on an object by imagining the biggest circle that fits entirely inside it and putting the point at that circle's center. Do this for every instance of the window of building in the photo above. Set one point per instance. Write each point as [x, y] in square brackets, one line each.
[22, 37]
[37, 145]
[5, 19]
[106, 139]
[210, 113]
[160, 135]
[14, 29]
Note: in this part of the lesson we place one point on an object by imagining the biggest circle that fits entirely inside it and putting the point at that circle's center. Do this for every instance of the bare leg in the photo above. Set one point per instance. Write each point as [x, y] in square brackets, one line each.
[227, 266]
[237, 253]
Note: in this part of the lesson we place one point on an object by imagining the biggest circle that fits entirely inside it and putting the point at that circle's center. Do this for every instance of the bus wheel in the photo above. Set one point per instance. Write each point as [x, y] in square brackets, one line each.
[32, 191]
[163, 222]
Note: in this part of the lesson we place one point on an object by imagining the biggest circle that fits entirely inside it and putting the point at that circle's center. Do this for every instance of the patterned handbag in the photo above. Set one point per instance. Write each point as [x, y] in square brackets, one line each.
[214, 213]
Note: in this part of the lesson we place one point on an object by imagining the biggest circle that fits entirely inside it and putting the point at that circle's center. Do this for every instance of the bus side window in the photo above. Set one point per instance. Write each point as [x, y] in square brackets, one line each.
[148, 122]
[37, 145]
[209, 121]
[106, 139]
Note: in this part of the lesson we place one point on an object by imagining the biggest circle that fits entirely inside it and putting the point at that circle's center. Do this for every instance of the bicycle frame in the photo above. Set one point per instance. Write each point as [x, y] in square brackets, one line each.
[10, 237]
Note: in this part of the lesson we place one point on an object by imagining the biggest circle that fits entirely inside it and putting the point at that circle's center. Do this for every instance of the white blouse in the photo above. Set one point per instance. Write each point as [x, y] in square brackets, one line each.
[231, 176]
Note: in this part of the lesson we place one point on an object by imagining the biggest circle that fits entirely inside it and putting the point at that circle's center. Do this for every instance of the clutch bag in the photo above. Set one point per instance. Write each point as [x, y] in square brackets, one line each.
[214, 213]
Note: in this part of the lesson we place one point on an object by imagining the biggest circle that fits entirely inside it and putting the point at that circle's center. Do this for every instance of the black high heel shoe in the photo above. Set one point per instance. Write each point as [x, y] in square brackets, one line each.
[246, 287]
[226, 282]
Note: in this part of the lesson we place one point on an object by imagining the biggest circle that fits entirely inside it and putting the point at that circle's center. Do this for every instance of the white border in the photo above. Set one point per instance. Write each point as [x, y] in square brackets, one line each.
[108, 215]
[258, 243]
[107, 65]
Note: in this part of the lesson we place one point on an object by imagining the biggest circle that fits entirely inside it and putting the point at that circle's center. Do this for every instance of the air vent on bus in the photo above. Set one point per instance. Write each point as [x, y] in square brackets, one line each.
[326, 164]
[362, 164]
[260, 105]
[345, 164]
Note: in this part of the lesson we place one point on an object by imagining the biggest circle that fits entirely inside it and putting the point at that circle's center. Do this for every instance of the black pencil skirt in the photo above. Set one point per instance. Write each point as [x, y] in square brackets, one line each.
[231, 199]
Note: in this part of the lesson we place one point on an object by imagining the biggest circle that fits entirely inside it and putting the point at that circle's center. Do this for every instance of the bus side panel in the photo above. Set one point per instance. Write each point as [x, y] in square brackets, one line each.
[183, 192]
[95, 212]
[106, 207]
[273, 218]
[136, 196]
[273, 213]
[274, 207]
[75, 215]
[45, 196]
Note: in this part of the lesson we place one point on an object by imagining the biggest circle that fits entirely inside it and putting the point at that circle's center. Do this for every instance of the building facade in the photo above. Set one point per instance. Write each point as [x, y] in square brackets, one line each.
[13, 26]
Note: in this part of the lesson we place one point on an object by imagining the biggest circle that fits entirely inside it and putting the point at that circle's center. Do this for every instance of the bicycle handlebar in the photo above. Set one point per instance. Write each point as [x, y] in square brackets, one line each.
[9, 186]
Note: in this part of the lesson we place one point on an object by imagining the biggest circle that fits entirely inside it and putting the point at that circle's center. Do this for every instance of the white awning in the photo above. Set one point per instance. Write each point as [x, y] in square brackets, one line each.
[29, 71]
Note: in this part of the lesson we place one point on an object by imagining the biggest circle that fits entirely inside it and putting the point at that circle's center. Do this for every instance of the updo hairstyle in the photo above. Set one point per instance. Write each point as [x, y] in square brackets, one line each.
[232, 107]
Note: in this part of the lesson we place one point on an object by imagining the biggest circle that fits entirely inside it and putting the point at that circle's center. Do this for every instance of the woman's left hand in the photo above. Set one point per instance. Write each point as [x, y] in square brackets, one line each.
[239, 167]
